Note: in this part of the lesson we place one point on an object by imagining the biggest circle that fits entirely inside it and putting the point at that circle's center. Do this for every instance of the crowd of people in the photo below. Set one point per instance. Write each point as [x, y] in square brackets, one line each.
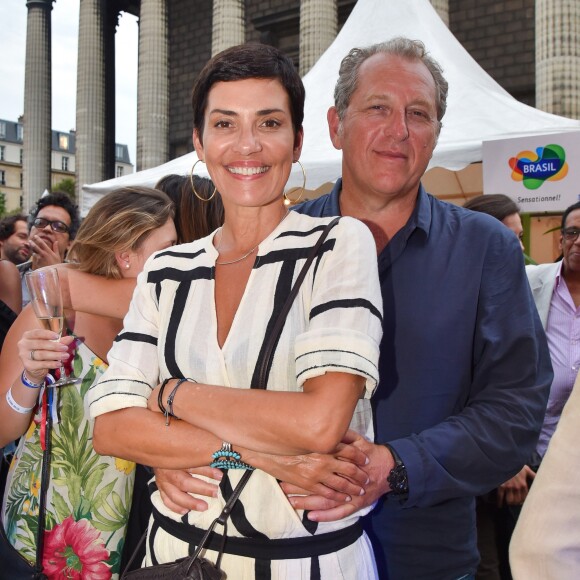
[409, 381]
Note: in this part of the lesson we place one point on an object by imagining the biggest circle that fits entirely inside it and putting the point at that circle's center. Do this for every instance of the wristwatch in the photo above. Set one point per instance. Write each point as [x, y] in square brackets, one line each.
[397, 477]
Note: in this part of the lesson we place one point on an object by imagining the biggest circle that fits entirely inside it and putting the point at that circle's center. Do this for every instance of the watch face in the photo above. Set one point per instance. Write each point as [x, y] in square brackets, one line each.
[398, 480]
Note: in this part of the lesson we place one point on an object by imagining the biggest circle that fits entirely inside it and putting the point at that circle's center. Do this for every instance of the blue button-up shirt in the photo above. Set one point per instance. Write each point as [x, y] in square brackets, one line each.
[464, 379]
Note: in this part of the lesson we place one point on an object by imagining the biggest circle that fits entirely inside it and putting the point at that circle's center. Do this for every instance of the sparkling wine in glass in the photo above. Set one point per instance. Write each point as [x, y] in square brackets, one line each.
[46, 299]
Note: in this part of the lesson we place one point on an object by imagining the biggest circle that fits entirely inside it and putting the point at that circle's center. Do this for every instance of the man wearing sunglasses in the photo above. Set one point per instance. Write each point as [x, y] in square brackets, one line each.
[52, 226]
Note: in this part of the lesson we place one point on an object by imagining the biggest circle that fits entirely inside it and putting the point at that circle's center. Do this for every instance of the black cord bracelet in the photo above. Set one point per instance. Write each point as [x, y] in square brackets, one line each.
[170, 401]
[160, 396]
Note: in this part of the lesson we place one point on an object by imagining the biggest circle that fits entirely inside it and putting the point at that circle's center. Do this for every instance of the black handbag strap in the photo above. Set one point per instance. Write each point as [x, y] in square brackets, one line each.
[263, 367]
[266, 362]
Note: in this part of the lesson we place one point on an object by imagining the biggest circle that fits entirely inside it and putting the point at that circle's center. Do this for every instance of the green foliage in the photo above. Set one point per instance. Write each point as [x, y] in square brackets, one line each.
[2, 204]
[67, 185]
[529, 260]
[78, 485]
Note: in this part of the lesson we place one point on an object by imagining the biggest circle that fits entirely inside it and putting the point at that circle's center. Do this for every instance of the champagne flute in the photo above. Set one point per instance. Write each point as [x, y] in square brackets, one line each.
[46, 299]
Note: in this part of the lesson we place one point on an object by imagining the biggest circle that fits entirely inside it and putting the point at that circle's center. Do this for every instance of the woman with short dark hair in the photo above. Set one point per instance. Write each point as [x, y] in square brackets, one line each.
[200, 319]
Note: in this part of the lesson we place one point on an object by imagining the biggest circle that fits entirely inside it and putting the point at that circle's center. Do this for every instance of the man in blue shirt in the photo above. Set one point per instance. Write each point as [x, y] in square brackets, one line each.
[464, 367]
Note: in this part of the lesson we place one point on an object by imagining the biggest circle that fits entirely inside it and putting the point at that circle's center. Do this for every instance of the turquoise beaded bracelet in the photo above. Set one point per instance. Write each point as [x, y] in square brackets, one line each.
[226, 458]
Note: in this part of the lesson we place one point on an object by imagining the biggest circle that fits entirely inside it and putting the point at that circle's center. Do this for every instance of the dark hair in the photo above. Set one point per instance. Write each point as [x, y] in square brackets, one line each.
[496, 205]
[248, 61]
[194, 218]
[568, 211]
[58, 199]
[7, 225]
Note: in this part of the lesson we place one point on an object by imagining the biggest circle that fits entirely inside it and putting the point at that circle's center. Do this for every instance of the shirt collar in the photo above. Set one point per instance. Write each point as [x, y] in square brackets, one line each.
[420, 218]
[332, 204]
[559, 274]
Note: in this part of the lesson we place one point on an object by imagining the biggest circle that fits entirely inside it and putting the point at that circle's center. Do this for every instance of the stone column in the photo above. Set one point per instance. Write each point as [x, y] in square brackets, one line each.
[91, 126]
[153, 86]
[110, 24]
[228, 26]
[37, 103]
[318, 28]
[558, 57]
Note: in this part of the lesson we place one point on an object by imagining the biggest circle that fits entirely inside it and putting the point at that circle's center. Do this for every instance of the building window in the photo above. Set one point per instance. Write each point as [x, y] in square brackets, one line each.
[119, 151]
[2, 130]
[2, 149]
[119, 171]
[21, 185]
[21, 156]
[2, 177]
[19, 132]
[63, 142]
[65, 163]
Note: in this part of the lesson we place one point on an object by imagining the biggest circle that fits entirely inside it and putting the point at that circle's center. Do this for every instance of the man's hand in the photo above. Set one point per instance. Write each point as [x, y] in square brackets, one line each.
[176, 485]
[44, 254]
[515, 490]
[336, 477]
[323, 509]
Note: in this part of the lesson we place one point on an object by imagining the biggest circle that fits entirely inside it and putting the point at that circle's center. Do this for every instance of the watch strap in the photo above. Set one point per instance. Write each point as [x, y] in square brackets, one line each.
[397, 478]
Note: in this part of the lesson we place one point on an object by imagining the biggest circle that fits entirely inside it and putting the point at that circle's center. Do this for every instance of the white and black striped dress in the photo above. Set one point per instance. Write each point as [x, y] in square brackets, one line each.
[335, 325]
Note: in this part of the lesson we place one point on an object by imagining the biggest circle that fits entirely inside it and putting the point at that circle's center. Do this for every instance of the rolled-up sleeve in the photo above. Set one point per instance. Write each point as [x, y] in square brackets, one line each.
[345, 326]
[133, 360]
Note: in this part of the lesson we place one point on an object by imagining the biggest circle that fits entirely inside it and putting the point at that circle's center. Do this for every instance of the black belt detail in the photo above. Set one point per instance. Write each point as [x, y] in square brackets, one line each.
[310, 526]
[238, 513]
[314, 569]
[264, 549]
[263, 569]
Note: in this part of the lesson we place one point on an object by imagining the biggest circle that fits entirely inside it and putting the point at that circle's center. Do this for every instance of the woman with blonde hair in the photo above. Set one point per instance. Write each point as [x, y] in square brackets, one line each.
[88, 497]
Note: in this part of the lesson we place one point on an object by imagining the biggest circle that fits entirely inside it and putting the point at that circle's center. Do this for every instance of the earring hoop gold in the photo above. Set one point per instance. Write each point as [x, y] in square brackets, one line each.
[287, 200]
[193, 186]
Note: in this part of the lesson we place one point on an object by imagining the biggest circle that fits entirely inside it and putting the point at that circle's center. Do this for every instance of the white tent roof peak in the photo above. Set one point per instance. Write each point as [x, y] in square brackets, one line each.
[478, 108]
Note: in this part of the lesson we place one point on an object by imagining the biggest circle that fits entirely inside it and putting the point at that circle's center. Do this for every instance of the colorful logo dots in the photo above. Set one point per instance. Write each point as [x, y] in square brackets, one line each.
[546, 164]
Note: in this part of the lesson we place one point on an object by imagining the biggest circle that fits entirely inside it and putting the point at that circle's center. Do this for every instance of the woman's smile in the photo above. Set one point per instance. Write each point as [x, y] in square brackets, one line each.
[246, 171]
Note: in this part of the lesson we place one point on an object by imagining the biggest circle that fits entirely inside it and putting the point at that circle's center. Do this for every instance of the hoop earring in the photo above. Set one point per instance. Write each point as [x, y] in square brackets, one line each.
[287, 200]
[193, 186]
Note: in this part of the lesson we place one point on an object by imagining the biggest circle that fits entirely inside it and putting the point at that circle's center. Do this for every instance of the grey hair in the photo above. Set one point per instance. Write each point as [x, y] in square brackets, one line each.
[399, 46]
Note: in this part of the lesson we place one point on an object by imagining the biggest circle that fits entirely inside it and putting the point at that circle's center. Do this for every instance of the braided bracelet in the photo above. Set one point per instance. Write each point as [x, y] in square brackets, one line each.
[225, 458]
[15, 406]
[28, 383]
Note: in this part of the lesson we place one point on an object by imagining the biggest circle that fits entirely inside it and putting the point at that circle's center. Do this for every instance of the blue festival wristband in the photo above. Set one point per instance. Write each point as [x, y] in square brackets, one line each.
[28, 383]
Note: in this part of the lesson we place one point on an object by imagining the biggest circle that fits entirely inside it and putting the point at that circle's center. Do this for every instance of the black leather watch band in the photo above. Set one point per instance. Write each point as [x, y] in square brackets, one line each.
[397, 477]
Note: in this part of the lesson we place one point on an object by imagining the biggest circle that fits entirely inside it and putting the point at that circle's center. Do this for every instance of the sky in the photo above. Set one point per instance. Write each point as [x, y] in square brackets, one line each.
[65, 24]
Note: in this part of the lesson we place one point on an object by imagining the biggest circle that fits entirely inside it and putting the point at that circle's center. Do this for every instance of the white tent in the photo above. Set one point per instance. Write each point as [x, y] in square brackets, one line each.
[478, 108]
